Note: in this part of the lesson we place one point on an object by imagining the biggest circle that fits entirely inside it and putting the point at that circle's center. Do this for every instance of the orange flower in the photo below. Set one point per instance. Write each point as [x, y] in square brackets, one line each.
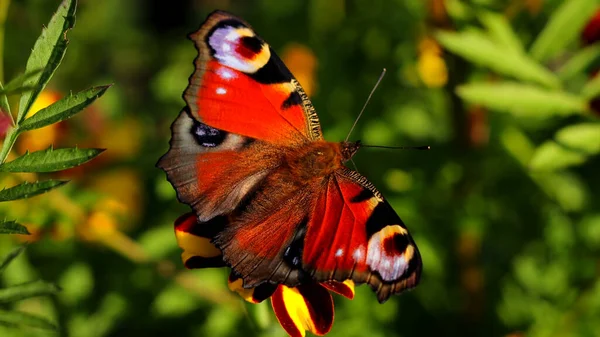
[306, 307]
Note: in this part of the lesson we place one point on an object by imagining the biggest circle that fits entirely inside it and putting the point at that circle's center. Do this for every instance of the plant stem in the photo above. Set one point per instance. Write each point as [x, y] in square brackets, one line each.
[9, 141]
[3, 13]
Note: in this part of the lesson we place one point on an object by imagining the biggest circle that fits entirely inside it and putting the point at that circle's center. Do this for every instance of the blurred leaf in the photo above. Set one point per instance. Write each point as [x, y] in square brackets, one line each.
[566, 188]
[47, 54]
[578, 63]
[11, 256]
[11, 227]
[50, 160]
[563, 28]
[63, 109]
[552, 156]
[27, 190]
[15, 85]
[27, 290]
[501, 31]
[22, 319]
[518, 145]
[583, 137]
[477, 47]
[522, 99]
[591, 89]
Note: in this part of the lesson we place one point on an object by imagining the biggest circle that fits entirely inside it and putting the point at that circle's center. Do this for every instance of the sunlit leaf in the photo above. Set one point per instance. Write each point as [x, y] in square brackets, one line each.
[479, 48]
[28, 190]
[584, 137]
[27, 290]
[47, 53]
[563, 28]
[579, 62]
[22, 319]
[50, 160]
[11, 227]
[552, 156]
[11, 256]
[63, 109]
[500, 30]
[522, 99]
[592, 88]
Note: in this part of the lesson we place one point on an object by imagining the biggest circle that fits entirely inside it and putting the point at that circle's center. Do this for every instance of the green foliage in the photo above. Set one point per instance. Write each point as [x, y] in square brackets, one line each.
[11, 227]
[27, 190]
[50, 160]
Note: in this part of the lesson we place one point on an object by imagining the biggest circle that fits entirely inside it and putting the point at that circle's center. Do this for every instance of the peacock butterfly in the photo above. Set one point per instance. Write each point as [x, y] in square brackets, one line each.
[248, 156]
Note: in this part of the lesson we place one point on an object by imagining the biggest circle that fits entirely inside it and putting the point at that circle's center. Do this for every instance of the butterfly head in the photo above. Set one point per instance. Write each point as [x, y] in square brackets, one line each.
[349, 149]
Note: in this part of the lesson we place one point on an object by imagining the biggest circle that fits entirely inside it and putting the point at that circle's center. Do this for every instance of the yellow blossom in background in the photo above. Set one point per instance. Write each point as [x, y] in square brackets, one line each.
[302, 63]
[431, 65]
[40, 139]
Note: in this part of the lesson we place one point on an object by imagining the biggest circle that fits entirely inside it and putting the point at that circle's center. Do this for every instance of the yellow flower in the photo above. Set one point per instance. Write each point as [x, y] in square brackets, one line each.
[431, 65]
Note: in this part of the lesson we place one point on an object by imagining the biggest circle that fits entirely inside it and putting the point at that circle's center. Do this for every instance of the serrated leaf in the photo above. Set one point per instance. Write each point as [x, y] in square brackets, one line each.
[11, 256]
[48, 51]
[21, 319]
[501, 31]
[563, 28]
[583, 137]
[63, 109]
[28, 190]
[522, 99]
[479, 48]
[591, 89]
[552, 156]
[11, 227]
[27, 290]
[579, 62]
[50, 160]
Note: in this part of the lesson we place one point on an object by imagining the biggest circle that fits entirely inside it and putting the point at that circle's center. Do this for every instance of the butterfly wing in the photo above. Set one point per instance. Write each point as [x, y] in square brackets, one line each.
[241, 86]
[355, 234]
[242, 105]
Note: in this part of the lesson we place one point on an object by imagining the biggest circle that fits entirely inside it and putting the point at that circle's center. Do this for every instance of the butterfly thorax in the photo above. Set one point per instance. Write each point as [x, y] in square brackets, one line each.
[319, 159]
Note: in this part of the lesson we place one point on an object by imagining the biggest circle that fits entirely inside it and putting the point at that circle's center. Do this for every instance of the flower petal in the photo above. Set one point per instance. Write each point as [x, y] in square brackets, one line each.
[305, 307]
[195, 240]
[345, 288]
[252, 295]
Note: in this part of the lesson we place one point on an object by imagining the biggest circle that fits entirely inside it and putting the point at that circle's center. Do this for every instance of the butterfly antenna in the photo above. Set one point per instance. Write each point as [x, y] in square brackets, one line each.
[367, 102]
[354, 164]
[424, 147]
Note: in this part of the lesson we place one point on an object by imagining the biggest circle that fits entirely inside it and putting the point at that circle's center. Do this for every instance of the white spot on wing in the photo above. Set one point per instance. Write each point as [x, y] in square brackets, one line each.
[221, 91]
[225, 73]
[390, 267]
[339, 252]
[359, 254]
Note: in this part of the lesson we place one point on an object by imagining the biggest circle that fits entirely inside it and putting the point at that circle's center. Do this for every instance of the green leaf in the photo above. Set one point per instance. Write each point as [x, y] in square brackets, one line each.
[11, 227]
[28, 190]
[23, 319]
[501, 31]
[50, 160]
[11, 256]
[583, 137]
[579, 62]
[48, 51]
[591, 89]
[27, 290]
[4, 106]
[478, 48]
[16, 84]
[552, 156]
[63, 109]
[563, 27]
[522, 99]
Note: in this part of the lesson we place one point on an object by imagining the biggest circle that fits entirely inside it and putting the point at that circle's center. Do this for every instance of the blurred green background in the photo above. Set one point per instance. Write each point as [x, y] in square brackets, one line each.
[504, 208]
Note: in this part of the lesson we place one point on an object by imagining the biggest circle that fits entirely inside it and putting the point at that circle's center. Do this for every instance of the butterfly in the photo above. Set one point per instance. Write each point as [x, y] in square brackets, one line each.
[248, 155]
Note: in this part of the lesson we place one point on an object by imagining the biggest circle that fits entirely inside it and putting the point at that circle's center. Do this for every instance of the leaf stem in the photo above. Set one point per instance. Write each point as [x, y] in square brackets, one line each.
[9, 141]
